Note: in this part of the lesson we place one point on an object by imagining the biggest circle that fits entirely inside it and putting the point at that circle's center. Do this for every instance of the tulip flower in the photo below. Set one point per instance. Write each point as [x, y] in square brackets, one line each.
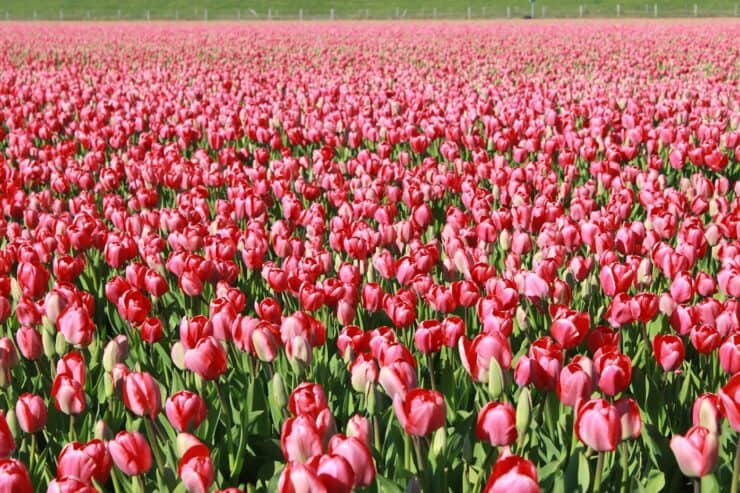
[420, 411]
[512, 473]
[131, 453]
[497, 424]
[696, 452]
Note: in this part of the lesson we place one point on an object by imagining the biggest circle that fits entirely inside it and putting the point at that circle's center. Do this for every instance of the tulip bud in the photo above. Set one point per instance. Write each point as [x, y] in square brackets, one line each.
[102, 432]
[48, 326]
[504, 239]
[521, 319]
[439, 444]
[15, 290]
[61, 346]
[12, 421]
[300, 354]
[116, 351]
[495, 379]
[278, 395]
[177, 353]
[47, 341]
[523, 411]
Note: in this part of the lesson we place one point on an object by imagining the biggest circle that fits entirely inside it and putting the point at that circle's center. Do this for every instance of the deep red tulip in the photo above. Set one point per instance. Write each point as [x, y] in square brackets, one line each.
[131, 453]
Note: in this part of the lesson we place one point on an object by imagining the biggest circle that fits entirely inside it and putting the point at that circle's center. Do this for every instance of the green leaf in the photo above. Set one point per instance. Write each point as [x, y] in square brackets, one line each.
[584, 473]
[655, 481]
[709, 484]
[386, 485]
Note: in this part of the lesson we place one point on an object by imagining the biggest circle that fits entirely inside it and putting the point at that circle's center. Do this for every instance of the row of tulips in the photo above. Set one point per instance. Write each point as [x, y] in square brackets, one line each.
[369, 257]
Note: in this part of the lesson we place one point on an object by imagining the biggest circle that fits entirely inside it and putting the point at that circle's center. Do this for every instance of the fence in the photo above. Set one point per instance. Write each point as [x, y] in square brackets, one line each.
[650, 10]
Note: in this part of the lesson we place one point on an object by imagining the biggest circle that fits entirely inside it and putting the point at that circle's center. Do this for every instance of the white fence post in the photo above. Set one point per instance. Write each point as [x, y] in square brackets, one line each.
[655, 10]
[61, 14]
[580, 11]
[205, 14]
[544, 11]
[469, 14]
[696, 10]
[148, 16]
[434, 12]
[508, 12]
[300, 14]
[331, 14]
[619, 10]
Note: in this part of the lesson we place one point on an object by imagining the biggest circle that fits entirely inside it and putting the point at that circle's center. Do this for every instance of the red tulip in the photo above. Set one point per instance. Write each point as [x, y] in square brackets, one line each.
[141, 394]
[185, 411]
[133, 307]
[629, 416]
[729, 354]
[512, 474]
[668, 351]
[297, 477]
[76, 325]
[696, 452]
[69, 397]
[14, 477]
[616, 278]
[29, 343]
[574, 385]
[31, 412]
[196, 470]
[151, 330]
[308, 399]
[131, 453]
[334, 472]
[598, 425]
[476, 355]
[614, 370]
[358, 455]
[207, 359]
[420, 411]
[69, 485]
[300, 440]
[497, 424]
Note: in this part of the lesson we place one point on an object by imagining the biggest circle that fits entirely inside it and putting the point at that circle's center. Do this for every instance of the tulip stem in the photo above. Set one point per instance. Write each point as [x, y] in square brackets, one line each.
[419, 455]
[32, 453]
[599, 471]
[224, 407]
[697, 485]
[430, 364]
[116, 485]
[623, 453]
[139, 484]
[376, 433]
[154, 443]
[71, 427]
[736, 469]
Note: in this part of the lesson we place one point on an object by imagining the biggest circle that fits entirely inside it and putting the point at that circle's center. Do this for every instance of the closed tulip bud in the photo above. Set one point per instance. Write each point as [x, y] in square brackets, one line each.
[300, 354]
[598, 425]
[707, 412]
[29, 343]
[116, 351]
[358, 455]
[141, 394]
[495, 379]
[48, 342]
[207, 359]
[278, 394]
[131, 453]
[522, 319]
[60, 344]
[177, 353]
[196, 470]
[696, 452]
[504, 240]
[69, 397]
[101, 431]
[523, 411]
[497, 424]
[420, 411]
[629, 416]
[669, 351]
[31, 412]
[439, 443]
[359, 426]
[12, 421]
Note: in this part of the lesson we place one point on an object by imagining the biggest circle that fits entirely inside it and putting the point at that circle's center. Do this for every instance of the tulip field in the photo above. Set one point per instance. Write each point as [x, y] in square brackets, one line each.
[372, 257]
